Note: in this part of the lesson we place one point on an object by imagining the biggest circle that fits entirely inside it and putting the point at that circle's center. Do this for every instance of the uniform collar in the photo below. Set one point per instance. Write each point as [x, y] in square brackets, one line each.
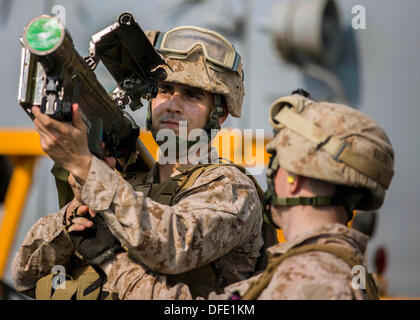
[341, 234]
[211, 156]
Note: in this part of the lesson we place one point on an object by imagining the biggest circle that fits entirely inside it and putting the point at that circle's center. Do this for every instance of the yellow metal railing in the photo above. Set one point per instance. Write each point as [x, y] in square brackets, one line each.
[23, 148]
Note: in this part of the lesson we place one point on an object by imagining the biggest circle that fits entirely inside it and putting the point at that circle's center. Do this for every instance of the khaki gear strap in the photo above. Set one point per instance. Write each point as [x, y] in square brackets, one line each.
[43, 289]
[351, 258]
[337, 148]
[64, 191]
[166, 192]
[188, 176]
[86, 286]
[192, 178]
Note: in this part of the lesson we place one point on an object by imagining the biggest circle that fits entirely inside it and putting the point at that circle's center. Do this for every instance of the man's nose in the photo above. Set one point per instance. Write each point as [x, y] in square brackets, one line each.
[175, 103]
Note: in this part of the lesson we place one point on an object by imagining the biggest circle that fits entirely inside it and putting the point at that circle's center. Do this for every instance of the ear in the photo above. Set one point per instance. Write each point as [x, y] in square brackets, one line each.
[224, 116]
[279, 181]
[293, 187]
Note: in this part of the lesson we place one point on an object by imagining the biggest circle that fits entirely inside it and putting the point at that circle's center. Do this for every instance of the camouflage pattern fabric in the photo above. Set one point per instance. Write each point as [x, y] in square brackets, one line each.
[312, 275]
[365, 140]
[218, 220]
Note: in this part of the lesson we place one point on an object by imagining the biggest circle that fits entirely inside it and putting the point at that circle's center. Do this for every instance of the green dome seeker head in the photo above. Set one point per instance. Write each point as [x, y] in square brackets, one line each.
[44, 33]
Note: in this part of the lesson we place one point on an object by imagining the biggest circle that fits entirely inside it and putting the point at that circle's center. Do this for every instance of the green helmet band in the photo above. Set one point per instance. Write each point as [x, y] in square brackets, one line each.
[347, 197]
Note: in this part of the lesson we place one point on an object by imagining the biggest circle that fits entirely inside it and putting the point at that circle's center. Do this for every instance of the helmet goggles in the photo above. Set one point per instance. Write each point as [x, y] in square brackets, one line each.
[177, 43]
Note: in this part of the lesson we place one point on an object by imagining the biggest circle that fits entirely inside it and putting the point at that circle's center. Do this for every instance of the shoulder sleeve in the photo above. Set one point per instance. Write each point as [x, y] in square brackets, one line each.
[311, 276]
[45, 245]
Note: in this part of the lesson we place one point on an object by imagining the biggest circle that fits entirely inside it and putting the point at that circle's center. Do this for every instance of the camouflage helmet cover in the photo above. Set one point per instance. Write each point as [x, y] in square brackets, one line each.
[334, 143]
[195, 72]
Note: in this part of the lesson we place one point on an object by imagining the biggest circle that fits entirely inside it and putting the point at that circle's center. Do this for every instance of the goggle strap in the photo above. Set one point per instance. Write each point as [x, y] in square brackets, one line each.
[158, 41]
[236, 62]
[236, 65]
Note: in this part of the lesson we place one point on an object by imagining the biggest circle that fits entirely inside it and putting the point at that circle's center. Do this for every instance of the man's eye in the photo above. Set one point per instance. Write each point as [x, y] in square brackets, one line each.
[193, 94]
[164, 90]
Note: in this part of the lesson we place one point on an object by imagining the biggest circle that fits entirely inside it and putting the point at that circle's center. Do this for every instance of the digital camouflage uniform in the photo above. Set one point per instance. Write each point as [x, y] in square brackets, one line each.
[312, 275]
[342, 146]
[218, 220]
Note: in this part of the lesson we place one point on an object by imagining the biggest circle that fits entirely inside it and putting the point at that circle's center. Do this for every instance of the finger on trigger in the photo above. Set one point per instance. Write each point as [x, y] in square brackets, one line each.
[76, 227]
[83, 221]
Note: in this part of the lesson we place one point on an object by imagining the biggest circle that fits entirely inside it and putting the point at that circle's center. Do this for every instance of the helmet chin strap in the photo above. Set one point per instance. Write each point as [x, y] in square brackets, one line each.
[215, 114]
[212, 123]
[270, 193]
[149, 121]
[342, 197]
[347, 197]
